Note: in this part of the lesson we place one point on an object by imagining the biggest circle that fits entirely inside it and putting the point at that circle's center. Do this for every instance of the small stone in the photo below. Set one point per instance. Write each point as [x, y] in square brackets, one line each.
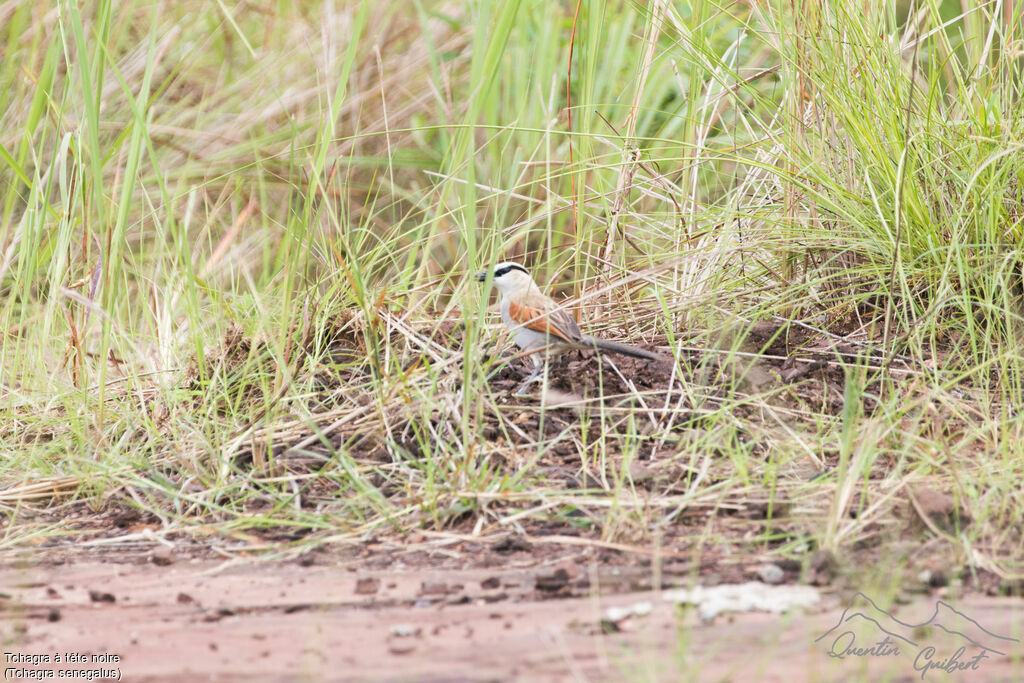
[401, 647]
[770, 573]
[823, 568]
[933, 579]
[404, 630]
[555, 581]
[433, 588]
[511, 544]
[639, 471]
[162, 556]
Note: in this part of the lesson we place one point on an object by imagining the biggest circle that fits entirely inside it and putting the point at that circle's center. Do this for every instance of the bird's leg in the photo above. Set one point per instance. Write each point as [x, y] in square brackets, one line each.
[538, 367]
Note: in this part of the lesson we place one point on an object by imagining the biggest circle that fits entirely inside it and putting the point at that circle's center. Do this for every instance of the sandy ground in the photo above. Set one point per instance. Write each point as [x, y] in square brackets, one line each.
[236, 620]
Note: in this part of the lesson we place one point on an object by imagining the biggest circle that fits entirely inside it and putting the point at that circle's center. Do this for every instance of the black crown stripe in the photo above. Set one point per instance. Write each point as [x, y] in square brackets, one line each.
[510, 267]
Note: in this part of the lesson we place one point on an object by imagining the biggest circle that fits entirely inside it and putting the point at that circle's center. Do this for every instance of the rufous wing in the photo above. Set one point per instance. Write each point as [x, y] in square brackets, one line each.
[556, 323]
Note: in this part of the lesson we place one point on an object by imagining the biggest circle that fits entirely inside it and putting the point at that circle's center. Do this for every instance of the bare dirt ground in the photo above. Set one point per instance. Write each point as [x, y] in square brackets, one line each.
[525, 598]
[165, 617]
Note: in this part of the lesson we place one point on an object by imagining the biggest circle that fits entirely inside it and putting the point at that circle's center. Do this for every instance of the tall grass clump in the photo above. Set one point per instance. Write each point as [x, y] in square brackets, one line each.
[901, 183]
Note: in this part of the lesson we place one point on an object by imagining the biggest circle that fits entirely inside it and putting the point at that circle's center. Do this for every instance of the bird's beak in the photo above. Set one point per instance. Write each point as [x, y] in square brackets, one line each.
[481, 276]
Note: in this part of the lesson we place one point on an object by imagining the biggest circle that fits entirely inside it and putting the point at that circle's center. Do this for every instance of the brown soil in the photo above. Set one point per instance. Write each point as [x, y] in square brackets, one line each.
[522, 601]
[238, 620]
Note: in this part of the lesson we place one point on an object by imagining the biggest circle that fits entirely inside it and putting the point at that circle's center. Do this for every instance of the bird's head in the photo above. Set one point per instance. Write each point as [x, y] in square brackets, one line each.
[508, 277]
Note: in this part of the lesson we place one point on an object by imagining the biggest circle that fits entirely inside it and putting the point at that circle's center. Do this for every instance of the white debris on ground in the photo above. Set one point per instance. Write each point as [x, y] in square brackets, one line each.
[404, 630]
[617, 614]
[743, 597]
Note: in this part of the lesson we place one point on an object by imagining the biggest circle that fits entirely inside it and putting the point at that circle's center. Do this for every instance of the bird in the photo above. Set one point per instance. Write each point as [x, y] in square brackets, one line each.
[539, 325]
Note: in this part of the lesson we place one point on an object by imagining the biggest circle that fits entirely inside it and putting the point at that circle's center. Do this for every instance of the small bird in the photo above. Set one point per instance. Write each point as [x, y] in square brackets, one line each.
[538, 324]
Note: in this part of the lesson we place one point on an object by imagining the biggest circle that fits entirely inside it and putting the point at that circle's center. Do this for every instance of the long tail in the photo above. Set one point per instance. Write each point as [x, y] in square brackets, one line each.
[624, 349]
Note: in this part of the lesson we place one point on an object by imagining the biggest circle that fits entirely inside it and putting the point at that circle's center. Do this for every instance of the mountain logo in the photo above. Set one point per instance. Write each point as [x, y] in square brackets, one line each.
[899, 637]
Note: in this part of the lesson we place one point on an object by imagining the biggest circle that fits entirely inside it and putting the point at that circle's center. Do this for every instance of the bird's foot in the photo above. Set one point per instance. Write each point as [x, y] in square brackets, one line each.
[534, 377]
